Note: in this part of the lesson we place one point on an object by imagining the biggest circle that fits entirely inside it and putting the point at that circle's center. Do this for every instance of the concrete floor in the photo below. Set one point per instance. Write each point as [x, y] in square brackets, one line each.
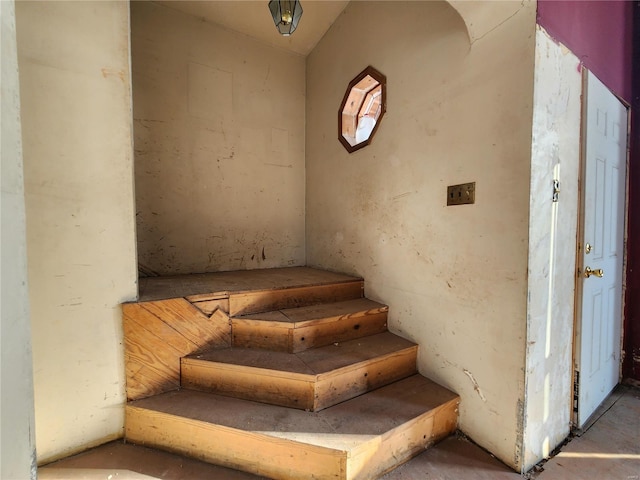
[608, 450]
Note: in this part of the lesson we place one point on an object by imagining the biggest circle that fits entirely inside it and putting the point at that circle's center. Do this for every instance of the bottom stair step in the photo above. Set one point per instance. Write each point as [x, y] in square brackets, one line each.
[359, 439]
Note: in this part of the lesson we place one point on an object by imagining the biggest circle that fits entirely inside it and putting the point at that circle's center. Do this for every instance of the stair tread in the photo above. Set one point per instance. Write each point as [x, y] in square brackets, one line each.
[309, 314]
[342, 426]
[222, 283]
[310, 362]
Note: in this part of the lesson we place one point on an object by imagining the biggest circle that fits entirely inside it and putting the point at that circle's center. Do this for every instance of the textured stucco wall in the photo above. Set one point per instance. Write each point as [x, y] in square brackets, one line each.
[219, 146]
[459, 110]
[78, 163]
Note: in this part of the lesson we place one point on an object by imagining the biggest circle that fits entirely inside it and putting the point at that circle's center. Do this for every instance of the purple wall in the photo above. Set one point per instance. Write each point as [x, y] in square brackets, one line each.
[600, 33]
[631, 365]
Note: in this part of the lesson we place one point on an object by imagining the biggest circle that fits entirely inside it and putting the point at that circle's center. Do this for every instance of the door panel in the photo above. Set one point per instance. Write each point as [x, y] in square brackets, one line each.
[604, 173]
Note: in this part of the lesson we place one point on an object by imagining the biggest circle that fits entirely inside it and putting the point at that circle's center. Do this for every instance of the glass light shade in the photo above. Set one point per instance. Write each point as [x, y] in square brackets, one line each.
[286, 15]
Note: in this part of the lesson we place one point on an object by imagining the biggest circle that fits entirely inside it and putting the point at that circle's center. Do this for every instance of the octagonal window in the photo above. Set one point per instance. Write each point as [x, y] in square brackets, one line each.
[362, 109]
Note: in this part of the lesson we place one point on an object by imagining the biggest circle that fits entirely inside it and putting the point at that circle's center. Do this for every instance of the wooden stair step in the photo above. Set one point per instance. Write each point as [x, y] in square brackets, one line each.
[250, 291]
[256, 301]
[358, 439]
[310, 380]
[298, 329]
[198, 286]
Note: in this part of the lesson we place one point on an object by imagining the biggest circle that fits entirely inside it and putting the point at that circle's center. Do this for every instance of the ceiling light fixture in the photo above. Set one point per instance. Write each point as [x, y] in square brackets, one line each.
[286, 15]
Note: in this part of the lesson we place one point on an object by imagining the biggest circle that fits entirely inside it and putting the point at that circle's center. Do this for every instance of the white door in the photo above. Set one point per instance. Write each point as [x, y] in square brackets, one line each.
[598, 332]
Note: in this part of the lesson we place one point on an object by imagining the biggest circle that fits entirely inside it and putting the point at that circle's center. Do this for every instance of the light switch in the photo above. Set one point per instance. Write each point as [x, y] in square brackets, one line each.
[461, 194]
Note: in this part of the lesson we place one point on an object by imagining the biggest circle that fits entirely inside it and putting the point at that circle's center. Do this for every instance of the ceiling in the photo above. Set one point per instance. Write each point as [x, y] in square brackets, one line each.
[254, 19]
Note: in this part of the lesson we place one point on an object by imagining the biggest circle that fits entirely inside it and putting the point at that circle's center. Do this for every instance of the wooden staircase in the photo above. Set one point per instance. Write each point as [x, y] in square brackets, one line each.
[286, 373]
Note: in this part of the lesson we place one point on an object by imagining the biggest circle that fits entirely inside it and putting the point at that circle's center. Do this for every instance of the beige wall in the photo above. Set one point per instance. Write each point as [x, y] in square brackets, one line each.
[219, 146]
[555, 154]
[455, 277]
[76, 125]
[17, 438]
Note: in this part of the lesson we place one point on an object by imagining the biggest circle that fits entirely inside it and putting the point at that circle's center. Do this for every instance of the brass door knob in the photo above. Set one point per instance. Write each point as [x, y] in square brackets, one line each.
[598, 272]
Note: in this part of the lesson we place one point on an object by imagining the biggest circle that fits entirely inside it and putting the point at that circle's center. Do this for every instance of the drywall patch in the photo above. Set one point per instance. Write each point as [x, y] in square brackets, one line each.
[114, 72]
[209, 92]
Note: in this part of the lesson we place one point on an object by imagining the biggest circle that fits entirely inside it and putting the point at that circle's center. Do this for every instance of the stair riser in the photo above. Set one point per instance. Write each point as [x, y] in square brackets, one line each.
[266, 300]
[294, 339]
[403, 443]
[266, 386]
[306, 392]
[251, 452]
[342, 385]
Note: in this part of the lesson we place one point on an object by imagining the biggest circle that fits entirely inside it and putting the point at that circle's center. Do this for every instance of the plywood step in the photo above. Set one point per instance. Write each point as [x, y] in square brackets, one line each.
[256, 301]
[310, 380]
[358, 439]
[219, 284]
[298, 329]
[251, 291]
